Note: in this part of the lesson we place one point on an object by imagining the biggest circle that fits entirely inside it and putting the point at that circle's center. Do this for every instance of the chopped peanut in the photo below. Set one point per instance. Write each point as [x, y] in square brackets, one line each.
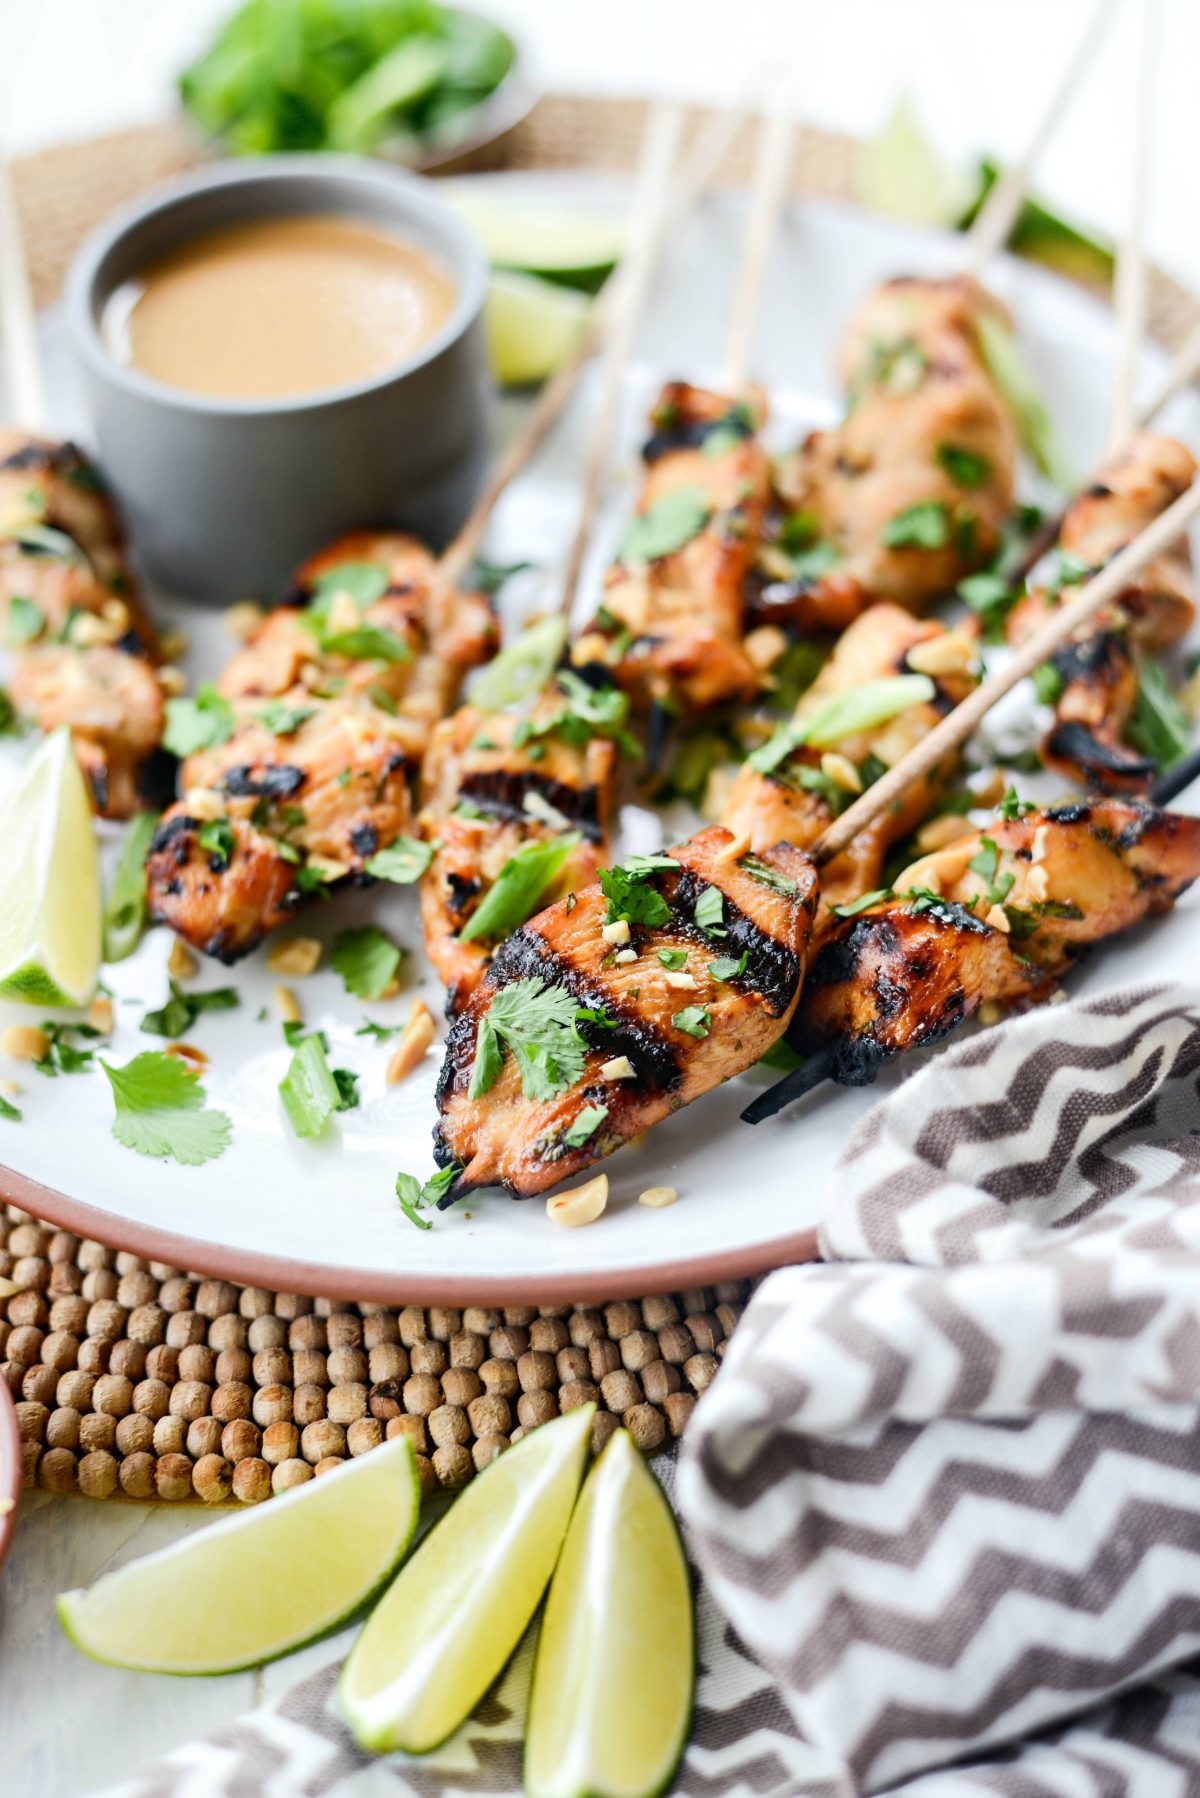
[764, 646]
[116, 612]
[679, 979]
[991, 791]
[583, 1205]
[624, 956]
[196, 1058]
[997, 919]
[242, 620]
[940, 832]
[343, 614]
[734, 850]
[296, 956]
[327, 867]
[415, 1040]
[619, 1068]
[947, 653]
[287, 1005]
[658, 1197]
[89, 630]
[1037, 848]
[990, 1012]
[1037, 885]
[172, 646]
[617, 932]
[100, 1014]
[181, 963]
[205, 803]
[25, 1042]
[841, 771]
[173, 681]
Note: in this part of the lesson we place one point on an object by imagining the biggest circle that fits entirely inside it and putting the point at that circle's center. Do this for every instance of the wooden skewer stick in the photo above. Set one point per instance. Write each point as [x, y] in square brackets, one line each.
[1129, 286]
[995, 219]
[1182, 372]
[772, 173]
[18, 319]
[705, 156]
[659, 148]
[951, 733]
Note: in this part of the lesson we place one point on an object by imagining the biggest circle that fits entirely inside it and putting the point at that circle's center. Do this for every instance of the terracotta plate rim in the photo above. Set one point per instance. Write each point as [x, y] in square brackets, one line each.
[10, 1468]
[312, 1279]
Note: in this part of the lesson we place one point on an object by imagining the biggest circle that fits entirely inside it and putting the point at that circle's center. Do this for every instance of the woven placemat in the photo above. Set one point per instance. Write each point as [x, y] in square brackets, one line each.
[138, 1380]
[133, 1379]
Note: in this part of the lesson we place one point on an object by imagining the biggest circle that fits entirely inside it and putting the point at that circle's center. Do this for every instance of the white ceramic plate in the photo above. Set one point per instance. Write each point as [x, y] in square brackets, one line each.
[323, 1218]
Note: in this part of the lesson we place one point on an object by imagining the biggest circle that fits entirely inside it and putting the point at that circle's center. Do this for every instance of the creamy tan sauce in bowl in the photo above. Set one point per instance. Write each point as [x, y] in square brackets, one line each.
[278, 308]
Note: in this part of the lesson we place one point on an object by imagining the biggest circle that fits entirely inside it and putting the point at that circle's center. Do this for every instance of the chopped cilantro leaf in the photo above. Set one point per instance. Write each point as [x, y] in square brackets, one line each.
[669, 523]
[282, 720]
[1048, 683]
[381, 1033]
[673, 958]
[403, 861]
[63, 1056]
[216, 838]
[1013, 806]
[768, 876]
[182, 1009]
[965, 467]
[710, 911]
[630, 897]
[200, 723]
[991, 598]
[367, 643]
[923, 526]
[26, 620]
[9, 1111]
[408, 1192]
[347, 1085]
[693, 1020]
[986, 864]
[536, 1023]
[726, 968]
[489, 577]
[160, 1110]
[1158, 726]
[863, 903]
[365, 582]
[585, 1126]
[366, 959]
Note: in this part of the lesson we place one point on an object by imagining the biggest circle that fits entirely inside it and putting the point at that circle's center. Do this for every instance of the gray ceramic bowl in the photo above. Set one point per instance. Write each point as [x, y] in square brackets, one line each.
[224, 497]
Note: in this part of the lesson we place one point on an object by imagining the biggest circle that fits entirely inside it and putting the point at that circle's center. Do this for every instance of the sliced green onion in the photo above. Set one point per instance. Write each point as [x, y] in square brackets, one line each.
[125, 906]
[309, 1091]
[522, 670]
[518, 887]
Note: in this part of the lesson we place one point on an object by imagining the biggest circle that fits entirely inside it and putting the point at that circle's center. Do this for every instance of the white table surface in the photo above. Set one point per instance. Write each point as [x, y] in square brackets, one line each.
[71, 68]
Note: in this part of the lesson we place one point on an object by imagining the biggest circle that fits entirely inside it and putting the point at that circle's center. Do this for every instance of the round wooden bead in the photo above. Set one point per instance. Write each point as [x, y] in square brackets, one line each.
[97, 1474]
[137, 1475]
[453, 1466]
[173, 1478]
[289, 1474]
[212, 1478]
[251, 1481]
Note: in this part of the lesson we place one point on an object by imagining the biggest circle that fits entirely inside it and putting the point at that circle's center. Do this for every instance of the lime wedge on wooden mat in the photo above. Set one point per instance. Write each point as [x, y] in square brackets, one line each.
[454, 1614]
[531, 327]
[256, 1585]
[578, 252]
[616, 1660]
[50, 897]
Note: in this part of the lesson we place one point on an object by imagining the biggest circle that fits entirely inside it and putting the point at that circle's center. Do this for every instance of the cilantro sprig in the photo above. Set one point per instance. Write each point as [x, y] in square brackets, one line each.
[203, 722]
[366, 959]
[160, 1110]
[183, 1008]
[538, 1025]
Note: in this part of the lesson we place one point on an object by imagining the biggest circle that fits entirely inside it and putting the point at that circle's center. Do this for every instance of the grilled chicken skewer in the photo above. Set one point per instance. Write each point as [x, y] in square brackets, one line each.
[85, 653]
[692, 980]
[670, 625]
[995, 920]
[791, 791]
[1098, 668]
[328, 709]
[912, 490]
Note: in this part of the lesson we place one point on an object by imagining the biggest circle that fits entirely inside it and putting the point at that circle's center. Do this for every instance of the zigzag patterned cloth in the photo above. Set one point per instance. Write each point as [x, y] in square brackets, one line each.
[947, 1487]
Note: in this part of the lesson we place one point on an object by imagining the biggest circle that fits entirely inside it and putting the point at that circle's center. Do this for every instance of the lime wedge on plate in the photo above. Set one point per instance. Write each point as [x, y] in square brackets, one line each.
[50, 900]
[616, 1660]
[454, 1614]
[259, 1584]
[576, 252]
[531, 327]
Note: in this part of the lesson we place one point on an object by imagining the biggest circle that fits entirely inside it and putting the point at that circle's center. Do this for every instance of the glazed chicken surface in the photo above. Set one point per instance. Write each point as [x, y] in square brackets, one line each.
[491, 785]
[1098, 669]
[795, 800]
[332, 701]
[662, 1027]
[997, 918]
[912, 490]
[84, 652]
[671, 621]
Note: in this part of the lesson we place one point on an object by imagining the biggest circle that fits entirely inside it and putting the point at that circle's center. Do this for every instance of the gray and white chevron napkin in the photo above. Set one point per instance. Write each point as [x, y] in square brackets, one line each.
[945, 1494]
[947, 1487]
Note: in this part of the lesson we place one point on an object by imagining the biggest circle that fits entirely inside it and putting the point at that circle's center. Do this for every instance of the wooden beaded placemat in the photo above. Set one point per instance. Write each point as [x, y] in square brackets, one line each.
[132, 1379]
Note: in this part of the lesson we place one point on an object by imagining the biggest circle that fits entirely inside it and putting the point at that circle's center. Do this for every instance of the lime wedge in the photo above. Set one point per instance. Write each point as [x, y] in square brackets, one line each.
[454, 1614]
[538, 241]
[257, 1585]
[531, 327]
[50, 899]
[616, 1661]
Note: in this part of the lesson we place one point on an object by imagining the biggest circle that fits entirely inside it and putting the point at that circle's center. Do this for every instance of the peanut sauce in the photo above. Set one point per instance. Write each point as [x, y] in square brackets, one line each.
[278, 308]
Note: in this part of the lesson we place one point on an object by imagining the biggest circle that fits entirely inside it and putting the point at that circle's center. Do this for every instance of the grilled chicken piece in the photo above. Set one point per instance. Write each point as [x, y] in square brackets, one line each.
[311, 796]
[84, 651]
[796, 800]
[913, 968]
[476, 790]
[1098, 668]
[649, 1063]
[113, 704]
[928, 428]
[670, 627]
